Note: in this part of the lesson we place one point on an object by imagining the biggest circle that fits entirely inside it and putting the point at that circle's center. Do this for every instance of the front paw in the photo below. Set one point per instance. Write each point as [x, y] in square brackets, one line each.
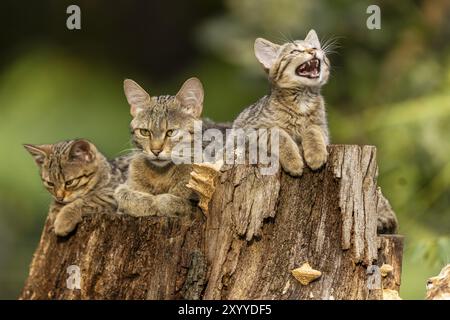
[120, 193]
[316, 159]
[64, 225]
[128, 201]
[121, 196]
[294, 167]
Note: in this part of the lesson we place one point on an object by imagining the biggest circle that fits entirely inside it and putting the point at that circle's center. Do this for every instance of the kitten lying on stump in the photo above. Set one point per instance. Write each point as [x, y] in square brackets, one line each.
[80, 179]
[155, 185]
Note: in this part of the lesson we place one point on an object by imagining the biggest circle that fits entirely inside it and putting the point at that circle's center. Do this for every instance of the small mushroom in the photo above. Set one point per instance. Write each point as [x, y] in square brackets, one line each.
[386, 269]
[305, 274]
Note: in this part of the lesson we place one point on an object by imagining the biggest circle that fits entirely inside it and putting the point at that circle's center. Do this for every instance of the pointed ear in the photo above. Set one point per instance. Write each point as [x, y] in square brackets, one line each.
[38, 152]
[191, 97]
[266, 52]
[138, 98]
[313, 39]
[82, 150]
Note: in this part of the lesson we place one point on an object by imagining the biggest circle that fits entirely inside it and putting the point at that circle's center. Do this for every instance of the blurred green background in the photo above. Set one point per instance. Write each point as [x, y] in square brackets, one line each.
[389, 88]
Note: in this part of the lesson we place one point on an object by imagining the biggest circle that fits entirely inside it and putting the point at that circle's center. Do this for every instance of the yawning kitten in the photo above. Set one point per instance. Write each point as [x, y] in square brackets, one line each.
[297, 70]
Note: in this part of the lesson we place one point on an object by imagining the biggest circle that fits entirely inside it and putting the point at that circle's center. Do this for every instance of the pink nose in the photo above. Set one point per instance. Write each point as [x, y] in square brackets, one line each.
[156, 152]
[60, 196]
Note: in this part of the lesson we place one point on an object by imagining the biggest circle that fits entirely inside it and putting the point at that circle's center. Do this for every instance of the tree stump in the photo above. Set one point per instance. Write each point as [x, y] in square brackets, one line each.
[257, 230]
[120, 257]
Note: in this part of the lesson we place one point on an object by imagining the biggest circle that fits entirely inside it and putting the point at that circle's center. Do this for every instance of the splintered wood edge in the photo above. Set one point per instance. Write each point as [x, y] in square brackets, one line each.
[203, 182]
[356, 168]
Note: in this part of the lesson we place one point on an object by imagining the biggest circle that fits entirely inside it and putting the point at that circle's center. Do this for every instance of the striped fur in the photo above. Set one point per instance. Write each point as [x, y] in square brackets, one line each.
[155, 185]
[80, 178]
[297, 108]
[294, 105]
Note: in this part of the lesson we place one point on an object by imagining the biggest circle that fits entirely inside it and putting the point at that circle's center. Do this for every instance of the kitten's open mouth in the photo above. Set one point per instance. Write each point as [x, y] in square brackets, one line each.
[309, 69]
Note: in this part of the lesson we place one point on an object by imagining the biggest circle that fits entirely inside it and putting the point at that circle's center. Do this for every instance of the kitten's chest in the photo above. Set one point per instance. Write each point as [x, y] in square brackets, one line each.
[151, 182]
[293, 122]
[297, 119]
[143, 178]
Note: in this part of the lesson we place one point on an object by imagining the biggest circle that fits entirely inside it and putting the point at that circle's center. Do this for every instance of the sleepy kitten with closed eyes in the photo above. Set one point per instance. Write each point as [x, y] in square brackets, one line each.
[80, 179]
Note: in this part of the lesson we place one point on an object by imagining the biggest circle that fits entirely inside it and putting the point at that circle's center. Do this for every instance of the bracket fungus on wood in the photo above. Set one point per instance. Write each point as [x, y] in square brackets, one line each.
[305, 274]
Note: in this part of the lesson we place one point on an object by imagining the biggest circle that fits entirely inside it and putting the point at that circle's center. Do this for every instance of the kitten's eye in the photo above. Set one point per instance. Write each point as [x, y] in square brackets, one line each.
[71, 183]
[49, 184]
[144, 132]
[297, 51]
[171, 133]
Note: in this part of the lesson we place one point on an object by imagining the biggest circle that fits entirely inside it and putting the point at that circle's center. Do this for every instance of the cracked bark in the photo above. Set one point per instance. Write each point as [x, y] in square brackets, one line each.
[258, 229]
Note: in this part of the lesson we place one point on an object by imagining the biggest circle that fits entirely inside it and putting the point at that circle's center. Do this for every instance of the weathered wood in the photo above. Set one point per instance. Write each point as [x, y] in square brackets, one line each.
[390, 253]
[262, 227]
[257, 230]
[120, 257]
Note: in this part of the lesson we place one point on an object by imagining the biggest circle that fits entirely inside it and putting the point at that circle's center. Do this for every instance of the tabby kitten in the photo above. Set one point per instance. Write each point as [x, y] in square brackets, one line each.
[79, 178]
[156, 185]
[297, 70]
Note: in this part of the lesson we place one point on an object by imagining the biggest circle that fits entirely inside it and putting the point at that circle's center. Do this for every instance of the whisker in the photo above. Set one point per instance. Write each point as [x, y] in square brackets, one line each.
[128, 150]
[283, 37]
[291, 39]
[330, 45]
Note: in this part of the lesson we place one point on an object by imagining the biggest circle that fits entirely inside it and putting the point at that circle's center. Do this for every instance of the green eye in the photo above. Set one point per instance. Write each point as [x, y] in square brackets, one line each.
[144, 132]
[171, 133]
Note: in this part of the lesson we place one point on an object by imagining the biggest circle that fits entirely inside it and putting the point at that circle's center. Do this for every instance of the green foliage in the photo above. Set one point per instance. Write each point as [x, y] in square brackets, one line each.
[434, 251]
